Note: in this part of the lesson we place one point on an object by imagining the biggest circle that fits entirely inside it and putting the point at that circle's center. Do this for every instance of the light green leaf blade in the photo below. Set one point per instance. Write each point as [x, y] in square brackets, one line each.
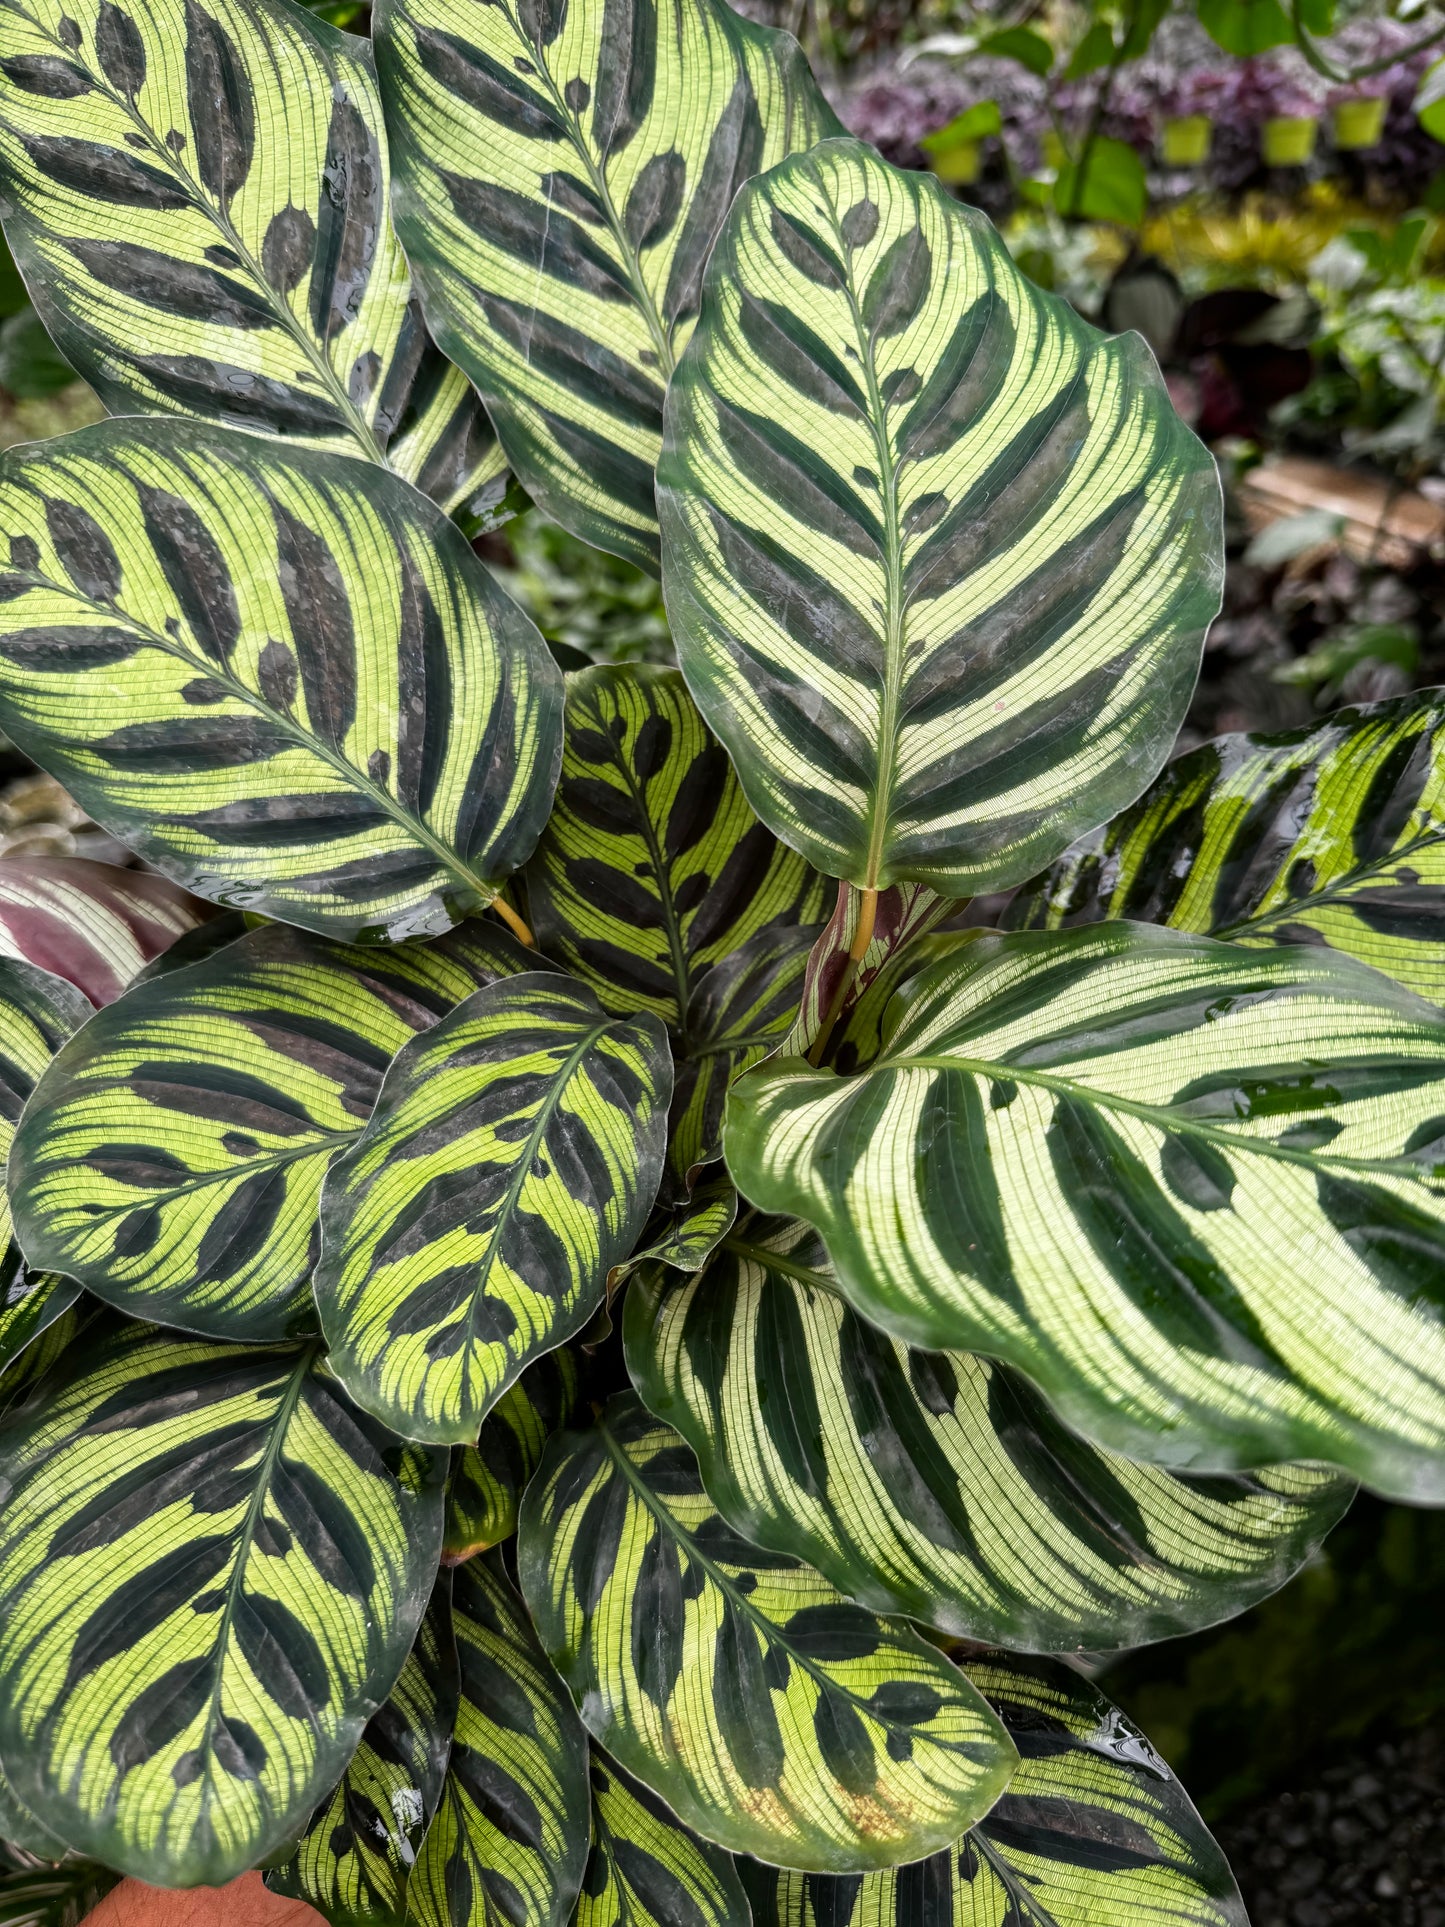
[356, 1857]
[937, 1484]
[645, 1868]
[772, 1715]
[1194, 1191]
[198, 199]
[511, 1161]
[683, 1235]
[1333, 835]
[509, 1842]
[280, 675]
[211, 1571]
[171, 1158]
[1093, 1828]
[939, 555]
[487, 1480]
[53, 1896]
[561, 173]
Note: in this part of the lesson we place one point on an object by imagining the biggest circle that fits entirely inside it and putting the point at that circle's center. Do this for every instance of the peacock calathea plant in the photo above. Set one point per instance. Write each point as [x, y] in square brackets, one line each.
[576, 1345]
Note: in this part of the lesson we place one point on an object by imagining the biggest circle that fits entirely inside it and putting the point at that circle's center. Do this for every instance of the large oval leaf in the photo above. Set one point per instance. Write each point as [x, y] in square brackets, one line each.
[940, 556]
[171, 1158]
[94, 924]
[211, 1571]
[1094, 1828]
[487, 1480]
[281, 676]
[1333, 835]
[562, 172]
[771, 1714]
[198, 200]
[509, 1842]
[1195, 1191]
[511, 1161]
[934, 1483]
[645, 1869]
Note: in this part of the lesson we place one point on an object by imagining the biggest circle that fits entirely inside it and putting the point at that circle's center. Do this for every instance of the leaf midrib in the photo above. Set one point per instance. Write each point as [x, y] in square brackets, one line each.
[1336, 890]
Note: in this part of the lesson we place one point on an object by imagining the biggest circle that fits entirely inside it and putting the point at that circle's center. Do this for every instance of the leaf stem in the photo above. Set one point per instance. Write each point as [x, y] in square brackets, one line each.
[520, 930]
[857, 951]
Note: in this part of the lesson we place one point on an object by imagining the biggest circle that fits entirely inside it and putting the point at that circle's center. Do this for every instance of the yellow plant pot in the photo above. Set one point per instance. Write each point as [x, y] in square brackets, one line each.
[1289, 142]
[1360, 123]
[1186, 140]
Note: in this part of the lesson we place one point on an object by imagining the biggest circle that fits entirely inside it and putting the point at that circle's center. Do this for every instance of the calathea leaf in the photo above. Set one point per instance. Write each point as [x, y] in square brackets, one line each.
[356, 1857]
[938, 1484]
[940, 556]
[509, 1842]
[771, 1714]
[23, 1839]
[171, 1158]
[1333, 835]
[865, 937]
[211, 1571]
[645, 1868]
[561, 176]
[511, 1161]
[1094, 1827]
[94, 924]
[684, 1234]
[198, 197]
[1195, 1191]
[281, 676]
[42, 1896]
[487, 1479]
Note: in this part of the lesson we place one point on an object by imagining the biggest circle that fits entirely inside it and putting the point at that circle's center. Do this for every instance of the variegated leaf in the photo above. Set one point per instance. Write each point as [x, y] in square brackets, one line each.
[1195, 1191]
[772, 1715]
[684, 1234]
[939, 556]
[171, 1158]
[488, 1479]
[280, 675]
[94, 924]
[645, 1868]
[562, 171]
[863, 938]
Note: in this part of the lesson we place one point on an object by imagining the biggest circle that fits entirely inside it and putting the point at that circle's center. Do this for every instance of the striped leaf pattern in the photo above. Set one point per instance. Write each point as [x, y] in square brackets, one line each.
[509, 1842]
[1093, 1829]
[171, 1158]
[53, 1896]
[645, 1869]
[938, 1484]
[94, 924]
[1333, 835]
[771, 1715]
[487, 1479]
[837, 979]
[1195, 1191]
[280, 675]
[562, 172]
[211, 1571]
[511, 1161]
[356, 1857]
[685, 1234]
[198, 198]
[940, 556]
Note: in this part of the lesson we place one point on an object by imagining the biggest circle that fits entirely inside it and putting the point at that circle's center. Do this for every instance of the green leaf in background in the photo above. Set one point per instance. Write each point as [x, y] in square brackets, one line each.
[1194, 1191]
[356, 1856]
[1095, 50]
[487, 1479]
[211, 1571]
[561, 176]
[1094, 1828]
[512, 1159]
[30, 363]
[645, 1869]
[1333, 835]
[171, 1159]
[53, 1896]
[940, 556]
[937, 1484]
[1245, 27]
[772, 1715]
[1107, 184]
[280, 675]
[509, 1842]
[1022, 44]
[199, 202]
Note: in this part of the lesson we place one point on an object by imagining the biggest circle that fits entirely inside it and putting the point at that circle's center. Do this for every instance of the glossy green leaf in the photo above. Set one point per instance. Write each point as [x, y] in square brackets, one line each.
[940, 556]
[772, 1715]
[1094, 1829]
[1333, 835]
[53, 1896]
[645, 1868]
[937, 1484]
[1195, 1191]
[1107, 183]
[488, 1479]
[171, 1158]
[198, 198]
[684, 1234]
[562, 172]
[23, 1839]
[1246, 27]
[509, 1842]
[280, 675]
[511, 1161]
[356, 1857]
[212, 1568]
